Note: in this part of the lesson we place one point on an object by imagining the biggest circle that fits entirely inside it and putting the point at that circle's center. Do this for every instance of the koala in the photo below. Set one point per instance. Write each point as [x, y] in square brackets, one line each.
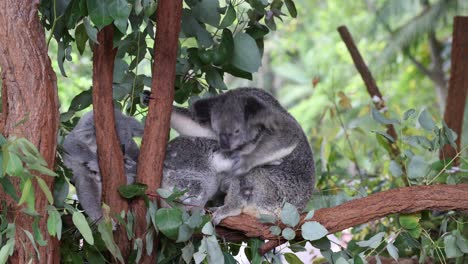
[269, 159]
[80, 155]
[249, 124]
[195, 164]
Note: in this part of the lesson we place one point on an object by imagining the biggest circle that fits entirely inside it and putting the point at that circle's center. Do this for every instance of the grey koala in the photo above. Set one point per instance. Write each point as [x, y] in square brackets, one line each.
[195, 164]
[80, 156]
[271, 160]
[249, 124]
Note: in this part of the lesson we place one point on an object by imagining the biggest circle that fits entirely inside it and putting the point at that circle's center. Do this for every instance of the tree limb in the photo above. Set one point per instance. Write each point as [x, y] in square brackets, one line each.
[458, 85]
[110, 157]
[153, 146]
[360, 211]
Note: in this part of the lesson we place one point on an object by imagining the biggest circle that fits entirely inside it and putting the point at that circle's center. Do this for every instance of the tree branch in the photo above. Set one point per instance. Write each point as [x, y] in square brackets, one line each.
[458, 85]
[110, 157]
[373, 207]
[372, 88]
[153, 147]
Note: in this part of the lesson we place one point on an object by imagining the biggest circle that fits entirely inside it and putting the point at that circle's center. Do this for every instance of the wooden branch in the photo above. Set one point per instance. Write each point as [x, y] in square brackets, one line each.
[30, 110]
[373, 207]
[458, 85]
[153, 147]
[372, 89]
[110, 157]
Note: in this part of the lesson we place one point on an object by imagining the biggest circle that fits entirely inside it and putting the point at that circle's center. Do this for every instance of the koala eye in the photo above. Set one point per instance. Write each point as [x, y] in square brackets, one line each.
[237, 131]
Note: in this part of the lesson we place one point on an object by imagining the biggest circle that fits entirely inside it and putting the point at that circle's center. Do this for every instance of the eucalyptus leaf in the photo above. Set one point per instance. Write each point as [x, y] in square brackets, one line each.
[206, 11]
[168, 221]
[290, 215]
[82, 225]
[451, 249]
[292, 258]
[392, 251]
[187, 252]
[288, 233]
[426, 121]
[372, 242]
[313, 231]
[229, 17]
[275, 230]
[132, 190]
[417, 167]
[98, 12]
[246, 55]
[382, 119]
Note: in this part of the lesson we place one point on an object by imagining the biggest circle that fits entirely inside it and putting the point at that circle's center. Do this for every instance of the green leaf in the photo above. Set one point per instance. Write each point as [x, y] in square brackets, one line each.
[45, 189]
[90, 30]
[229, 17]
[187, 252]
[382, 119]
[425, 120]
[266, 218]
[98, 12]
[206, 11]
[168, 221]
[291, 8]
[149, 239]
[313, 231]
[275, 230]
[392, 251]
[290, 215]
[43, 170]
[462, 243]
[417, 167]
[288, 233]
[119, 10]
[408, 114]
[37, 233]
[33, 242]
[292, 258]
[372, 242]
[14, 166]
[82, 225]
[208, 229]
[5, 252]
[322, 244]
[80, 38]
[215, 255]
[105, 229]
[184, 234]
[309, 215]
[409, 221]
[214, 79]
[81, 101]
[229, 259]
[395, 169]
[25, 192]
[195, 220]
[415, 232]
[451, 249]
[9, 188]
[246, 55]
[132, 190]
[54, 222]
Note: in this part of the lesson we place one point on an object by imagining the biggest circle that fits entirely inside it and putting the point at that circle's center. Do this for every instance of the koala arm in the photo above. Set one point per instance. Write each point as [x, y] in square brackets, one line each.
[183, 122]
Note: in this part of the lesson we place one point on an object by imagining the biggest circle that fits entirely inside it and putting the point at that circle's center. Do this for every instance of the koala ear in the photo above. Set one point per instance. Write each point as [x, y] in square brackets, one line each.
[202, 109]
[252, 107]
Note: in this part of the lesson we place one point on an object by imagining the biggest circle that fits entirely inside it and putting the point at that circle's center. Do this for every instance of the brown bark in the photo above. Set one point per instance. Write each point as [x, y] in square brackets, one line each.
[110, 157]
[373, 207]
[366, 75]
[29, 95]
[153, 147]
[458, 85]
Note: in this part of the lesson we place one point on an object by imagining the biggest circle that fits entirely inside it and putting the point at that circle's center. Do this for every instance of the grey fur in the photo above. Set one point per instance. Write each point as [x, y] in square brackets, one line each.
[272, 159]
[80, 156]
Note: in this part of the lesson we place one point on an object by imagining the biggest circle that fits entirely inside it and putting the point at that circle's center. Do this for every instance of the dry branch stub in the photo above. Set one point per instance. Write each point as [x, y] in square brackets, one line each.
[360, 211]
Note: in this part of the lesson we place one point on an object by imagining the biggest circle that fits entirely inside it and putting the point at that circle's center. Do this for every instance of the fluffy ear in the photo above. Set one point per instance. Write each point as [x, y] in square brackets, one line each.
[252, 107]
[202, 109]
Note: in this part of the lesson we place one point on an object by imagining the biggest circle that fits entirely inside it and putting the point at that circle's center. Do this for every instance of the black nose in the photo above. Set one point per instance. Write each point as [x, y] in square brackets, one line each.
[224, 141]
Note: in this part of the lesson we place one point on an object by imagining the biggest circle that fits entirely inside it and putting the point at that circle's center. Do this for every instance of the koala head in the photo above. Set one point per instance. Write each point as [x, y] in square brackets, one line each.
[229, 117]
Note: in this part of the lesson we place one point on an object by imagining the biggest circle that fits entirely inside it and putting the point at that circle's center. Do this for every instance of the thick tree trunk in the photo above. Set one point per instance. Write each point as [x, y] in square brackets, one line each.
[29, 95]
[458, 86]
[153, 146]
[110, 157]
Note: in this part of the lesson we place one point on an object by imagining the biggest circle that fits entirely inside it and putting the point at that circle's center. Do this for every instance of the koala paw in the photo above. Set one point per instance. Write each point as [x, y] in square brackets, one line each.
[223, 212]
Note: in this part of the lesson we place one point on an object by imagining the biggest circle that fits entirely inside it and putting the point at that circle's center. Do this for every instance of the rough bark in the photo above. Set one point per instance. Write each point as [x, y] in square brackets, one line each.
[29, 95]
[110, 157]
[153, 147]
[373, 207]
[458, 85]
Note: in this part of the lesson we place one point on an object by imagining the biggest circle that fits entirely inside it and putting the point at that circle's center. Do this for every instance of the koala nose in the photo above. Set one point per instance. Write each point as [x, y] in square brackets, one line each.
[224, 141]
